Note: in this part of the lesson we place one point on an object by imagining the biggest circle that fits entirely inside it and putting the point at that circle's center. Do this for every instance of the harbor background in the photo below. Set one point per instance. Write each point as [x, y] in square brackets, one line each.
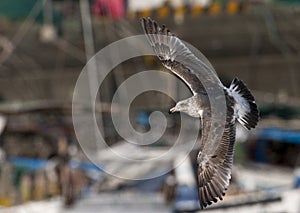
[44, 46]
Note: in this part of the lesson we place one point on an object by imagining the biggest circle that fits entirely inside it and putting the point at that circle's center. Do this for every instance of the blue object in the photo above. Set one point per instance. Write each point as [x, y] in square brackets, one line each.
[143, 119]
[275, 135]
[297, 180]
[28, 163]
[186, 198]
[147, 185]
[35, 164]
[281, 135]
[87, 166]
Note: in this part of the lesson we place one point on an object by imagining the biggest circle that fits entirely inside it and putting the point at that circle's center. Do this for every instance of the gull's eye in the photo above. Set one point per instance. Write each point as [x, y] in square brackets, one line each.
[183, 104]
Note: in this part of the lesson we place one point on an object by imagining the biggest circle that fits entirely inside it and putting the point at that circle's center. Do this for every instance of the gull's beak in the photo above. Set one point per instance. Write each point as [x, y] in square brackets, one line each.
[172, 110]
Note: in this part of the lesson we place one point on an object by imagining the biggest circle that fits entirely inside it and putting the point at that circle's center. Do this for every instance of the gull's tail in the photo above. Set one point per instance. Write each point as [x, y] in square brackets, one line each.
[245, 108]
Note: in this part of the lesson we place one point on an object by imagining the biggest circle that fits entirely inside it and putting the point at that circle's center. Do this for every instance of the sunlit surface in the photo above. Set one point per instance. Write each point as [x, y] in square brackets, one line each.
[44, 46]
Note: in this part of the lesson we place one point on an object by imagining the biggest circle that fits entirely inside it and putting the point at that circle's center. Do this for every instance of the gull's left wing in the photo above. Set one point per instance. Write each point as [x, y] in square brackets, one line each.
[176, 56]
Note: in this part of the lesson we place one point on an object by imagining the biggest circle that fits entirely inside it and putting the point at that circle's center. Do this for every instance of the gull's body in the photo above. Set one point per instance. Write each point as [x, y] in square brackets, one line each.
[214, 167]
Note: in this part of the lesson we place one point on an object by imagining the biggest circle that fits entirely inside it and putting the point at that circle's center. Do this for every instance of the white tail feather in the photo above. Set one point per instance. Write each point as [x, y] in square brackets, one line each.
[245, 108]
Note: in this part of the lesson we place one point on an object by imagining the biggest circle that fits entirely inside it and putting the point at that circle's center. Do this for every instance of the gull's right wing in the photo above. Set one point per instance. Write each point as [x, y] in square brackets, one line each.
[214, 170]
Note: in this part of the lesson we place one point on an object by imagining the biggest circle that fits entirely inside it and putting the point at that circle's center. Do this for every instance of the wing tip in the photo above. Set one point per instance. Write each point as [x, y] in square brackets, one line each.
[146, 23]
[150, 26]
[213, 189]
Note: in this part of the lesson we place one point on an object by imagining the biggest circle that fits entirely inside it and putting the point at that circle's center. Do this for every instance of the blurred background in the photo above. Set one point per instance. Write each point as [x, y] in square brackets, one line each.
[44, 45]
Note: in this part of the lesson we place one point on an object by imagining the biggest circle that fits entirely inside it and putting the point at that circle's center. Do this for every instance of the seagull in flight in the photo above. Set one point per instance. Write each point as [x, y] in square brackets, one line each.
[214, 169]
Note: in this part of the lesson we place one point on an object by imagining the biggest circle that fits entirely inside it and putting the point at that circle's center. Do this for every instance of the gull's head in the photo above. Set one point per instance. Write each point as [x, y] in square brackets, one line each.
[180, 106]
[188, 106]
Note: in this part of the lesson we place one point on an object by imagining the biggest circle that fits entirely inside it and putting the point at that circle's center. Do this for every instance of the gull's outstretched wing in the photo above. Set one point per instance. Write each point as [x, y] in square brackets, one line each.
[176, 56]
[214, 171]
[216, 153]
